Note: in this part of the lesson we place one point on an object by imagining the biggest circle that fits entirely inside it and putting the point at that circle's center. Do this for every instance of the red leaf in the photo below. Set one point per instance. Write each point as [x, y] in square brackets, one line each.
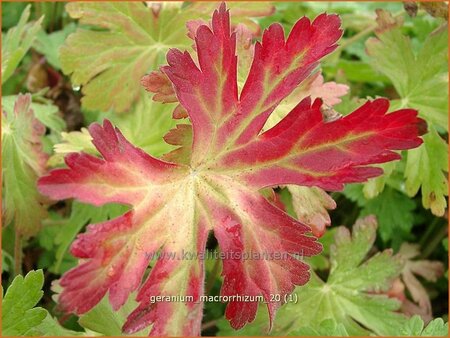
[216, 188]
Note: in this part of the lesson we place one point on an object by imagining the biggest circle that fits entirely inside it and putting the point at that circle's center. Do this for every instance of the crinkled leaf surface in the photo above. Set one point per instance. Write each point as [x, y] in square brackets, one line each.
[349, 296]
[22, 147]
[421, 81]
[127, 39]
[16, 43]
[175, 205]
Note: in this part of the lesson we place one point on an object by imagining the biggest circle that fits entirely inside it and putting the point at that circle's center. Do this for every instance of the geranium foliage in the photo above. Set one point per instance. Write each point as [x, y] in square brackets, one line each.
[174, 205]
[126, 39]
[23, 203]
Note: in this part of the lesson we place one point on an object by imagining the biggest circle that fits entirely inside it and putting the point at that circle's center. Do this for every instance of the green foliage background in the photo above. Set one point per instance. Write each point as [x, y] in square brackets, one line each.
[82, 71]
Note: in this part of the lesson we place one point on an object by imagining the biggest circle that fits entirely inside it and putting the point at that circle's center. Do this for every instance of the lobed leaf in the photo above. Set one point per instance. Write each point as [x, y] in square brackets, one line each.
[19, 316]
[394, 211]
[416, 327]
[426, 169]
[429, 270]
[22, 145]
[16, 43]
[421, 80]
[126, 40]
[352, 295]
[174, 205]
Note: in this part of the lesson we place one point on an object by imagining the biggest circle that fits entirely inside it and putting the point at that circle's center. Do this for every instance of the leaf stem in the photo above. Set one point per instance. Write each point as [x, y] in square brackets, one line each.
[435, 241]
[363, 33]
[428, 232]
[209, 324]
[17, 254]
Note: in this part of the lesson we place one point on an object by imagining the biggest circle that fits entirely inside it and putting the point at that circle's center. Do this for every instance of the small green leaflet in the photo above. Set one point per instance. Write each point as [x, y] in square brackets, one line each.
[50, 327]
[104, 320]
[351, 296]
[19, 318]
[421, 80]
[16, 43]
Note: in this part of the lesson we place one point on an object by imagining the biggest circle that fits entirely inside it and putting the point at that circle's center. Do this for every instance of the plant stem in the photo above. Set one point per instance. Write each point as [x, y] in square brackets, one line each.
[428, 232]
[209, 324]
[363, 33]
[17, 254]
[435, 241]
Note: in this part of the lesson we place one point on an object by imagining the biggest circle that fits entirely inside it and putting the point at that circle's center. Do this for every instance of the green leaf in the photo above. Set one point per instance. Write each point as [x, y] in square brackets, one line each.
[415, 327]
[393, 210]
[16, 43]
[374, 186]
[351, 296]
[435, 328]
[7, 261]
[127, 40]
[146, 125]
[46, 113]
[48, 44]
[426, 168]
[327, 328]
[50, 327]
[11, 12]
[19, 318]
[22, 147]
[356, 71]
[104, 320]
[421, 80]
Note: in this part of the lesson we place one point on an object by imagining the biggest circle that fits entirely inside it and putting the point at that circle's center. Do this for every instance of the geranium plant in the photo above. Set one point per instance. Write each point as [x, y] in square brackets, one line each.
[213, 182]
[235, 196]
